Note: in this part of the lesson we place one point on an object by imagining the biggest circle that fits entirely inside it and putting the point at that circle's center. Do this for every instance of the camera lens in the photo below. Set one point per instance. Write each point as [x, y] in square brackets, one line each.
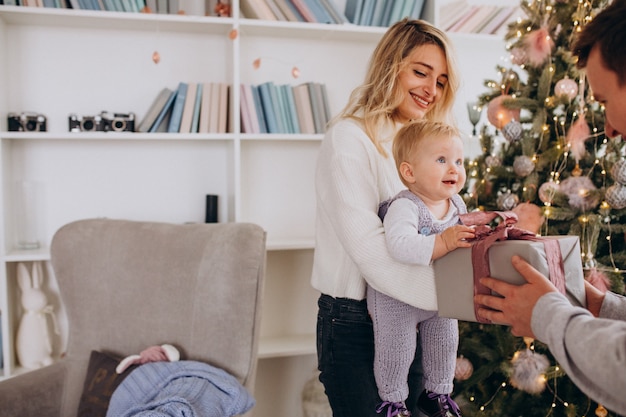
[31, 125]
[87, 125]
[118, 124]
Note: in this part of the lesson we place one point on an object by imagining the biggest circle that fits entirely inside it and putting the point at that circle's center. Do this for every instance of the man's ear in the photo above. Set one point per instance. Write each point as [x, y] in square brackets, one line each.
[406, 170]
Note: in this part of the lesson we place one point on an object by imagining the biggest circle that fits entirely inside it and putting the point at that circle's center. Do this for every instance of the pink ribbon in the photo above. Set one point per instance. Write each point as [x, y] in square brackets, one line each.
[505, 230]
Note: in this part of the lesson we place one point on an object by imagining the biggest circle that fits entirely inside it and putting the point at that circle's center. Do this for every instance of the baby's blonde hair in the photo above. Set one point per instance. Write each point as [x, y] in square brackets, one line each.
[409, 138]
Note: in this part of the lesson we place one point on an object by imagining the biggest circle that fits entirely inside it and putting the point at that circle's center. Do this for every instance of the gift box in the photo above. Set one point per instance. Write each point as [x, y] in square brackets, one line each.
[454, 272]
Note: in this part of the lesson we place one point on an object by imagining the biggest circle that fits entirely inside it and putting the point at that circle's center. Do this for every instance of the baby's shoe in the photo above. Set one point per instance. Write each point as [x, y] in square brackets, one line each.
[432, 404]
[393, 409]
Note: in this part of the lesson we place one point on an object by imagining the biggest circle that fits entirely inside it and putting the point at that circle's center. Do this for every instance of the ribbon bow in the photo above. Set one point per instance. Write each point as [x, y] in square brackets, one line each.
[505, 230]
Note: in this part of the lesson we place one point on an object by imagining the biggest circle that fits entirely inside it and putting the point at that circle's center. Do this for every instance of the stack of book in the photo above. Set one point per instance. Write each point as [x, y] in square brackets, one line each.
[271, 108]
[382, 12]
[190, 108]
[314, 11]
[132, 6]
[460, 16]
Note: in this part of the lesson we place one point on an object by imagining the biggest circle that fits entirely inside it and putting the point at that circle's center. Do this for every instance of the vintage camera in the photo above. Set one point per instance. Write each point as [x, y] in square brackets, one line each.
[86, 123]
[118, 122]
[27, 122]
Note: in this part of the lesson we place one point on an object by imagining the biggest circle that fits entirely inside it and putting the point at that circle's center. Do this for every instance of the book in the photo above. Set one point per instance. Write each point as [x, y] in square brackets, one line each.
[162, 6]
[205, 108]
[486, 20]
[483, 12]
[173, 7]
[152, 5]
[246, 117]
[352, 11]
[256, 9]
[325, 104]
[190, 102]
[222, 119]
[396, 11]
[498, 20]
[303, 108]
[177, 108]
[406, 11]
[462, 19]
[215, 108]
[334, 12]
[279, 108]
[289, 109]
[387, 13]
[163, 117]
[304, 10]
[258, 105]
[289, 10]
[317, 107]
[320, 13]
[377, 15]
[451, 12]
[154, 110]
[195, 121]
[276, 11]
[269, 114]
[367, 12]
[418, 7]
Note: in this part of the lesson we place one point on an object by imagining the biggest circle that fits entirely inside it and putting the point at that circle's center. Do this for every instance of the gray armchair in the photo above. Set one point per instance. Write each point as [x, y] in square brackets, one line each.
[127, 285]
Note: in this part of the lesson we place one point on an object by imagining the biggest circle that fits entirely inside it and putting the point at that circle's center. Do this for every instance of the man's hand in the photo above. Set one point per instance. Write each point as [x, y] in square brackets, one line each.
[516, 305]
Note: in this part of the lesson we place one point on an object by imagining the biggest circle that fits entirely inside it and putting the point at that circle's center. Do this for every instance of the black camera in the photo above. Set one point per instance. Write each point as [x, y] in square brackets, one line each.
[27, 122]
[86, 123]
[119, 122]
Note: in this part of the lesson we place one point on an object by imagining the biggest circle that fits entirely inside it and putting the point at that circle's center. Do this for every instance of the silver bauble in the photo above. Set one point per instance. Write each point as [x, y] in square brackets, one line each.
[523, 165]
[512, 131]
[615, 195]
[618, 171]
[507, 201]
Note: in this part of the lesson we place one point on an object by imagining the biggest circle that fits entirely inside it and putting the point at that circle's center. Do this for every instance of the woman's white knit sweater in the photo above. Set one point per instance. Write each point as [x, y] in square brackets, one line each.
[352, 178]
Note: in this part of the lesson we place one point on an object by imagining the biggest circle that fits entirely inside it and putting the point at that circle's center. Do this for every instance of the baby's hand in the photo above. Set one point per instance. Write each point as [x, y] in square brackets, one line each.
[456, 237]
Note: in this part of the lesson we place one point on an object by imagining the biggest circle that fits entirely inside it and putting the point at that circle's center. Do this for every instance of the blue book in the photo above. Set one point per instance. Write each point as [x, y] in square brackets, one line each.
[177, 109]
[396, 11]
[279, 107]
[416, 13]
[195, 122]
[367, 12]
[289, 122]
[291, 107]
[321, 14]
[386, 14]
[259, 109]
[164, 112]
[377, 16]
[353, 10]
[268, 107]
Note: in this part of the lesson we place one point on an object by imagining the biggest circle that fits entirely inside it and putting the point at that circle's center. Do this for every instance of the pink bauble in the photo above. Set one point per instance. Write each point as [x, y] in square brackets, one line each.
[566, 87]
[518, 56]
[498, 115]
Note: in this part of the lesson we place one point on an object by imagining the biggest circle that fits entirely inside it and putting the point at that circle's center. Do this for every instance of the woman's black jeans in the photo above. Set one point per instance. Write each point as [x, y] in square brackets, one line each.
[345, 354]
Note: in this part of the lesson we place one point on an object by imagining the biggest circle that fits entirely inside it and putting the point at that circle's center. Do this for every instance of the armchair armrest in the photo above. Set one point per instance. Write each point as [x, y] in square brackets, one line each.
[36, 393]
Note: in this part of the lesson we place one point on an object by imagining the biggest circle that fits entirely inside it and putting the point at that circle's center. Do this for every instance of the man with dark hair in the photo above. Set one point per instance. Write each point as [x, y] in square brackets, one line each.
[589, 344]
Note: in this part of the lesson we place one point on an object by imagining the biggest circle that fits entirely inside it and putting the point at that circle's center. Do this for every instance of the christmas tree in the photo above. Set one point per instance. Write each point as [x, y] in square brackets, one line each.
[545, 156]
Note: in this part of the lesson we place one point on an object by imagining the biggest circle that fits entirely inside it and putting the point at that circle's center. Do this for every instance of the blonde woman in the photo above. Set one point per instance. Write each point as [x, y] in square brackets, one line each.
[412, 75]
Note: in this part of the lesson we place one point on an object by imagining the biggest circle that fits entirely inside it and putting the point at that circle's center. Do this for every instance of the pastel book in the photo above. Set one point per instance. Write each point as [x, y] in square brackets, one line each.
[164, 115]
[271, 119]
[258, 104]
[154, 110]
[195, 121]
[177, 110]
[205, 108]
[303, 107]
[188, 109]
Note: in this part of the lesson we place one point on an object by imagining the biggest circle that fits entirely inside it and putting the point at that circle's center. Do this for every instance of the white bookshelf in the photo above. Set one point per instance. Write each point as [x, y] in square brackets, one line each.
[58, 62]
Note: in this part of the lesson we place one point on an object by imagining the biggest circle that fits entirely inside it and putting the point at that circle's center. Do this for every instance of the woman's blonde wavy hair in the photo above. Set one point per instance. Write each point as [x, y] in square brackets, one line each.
[374, 103]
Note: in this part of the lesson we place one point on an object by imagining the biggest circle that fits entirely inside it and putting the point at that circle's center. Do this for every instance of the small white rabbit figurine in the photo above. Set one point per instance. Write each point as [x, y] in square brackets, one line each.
[33, 344]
